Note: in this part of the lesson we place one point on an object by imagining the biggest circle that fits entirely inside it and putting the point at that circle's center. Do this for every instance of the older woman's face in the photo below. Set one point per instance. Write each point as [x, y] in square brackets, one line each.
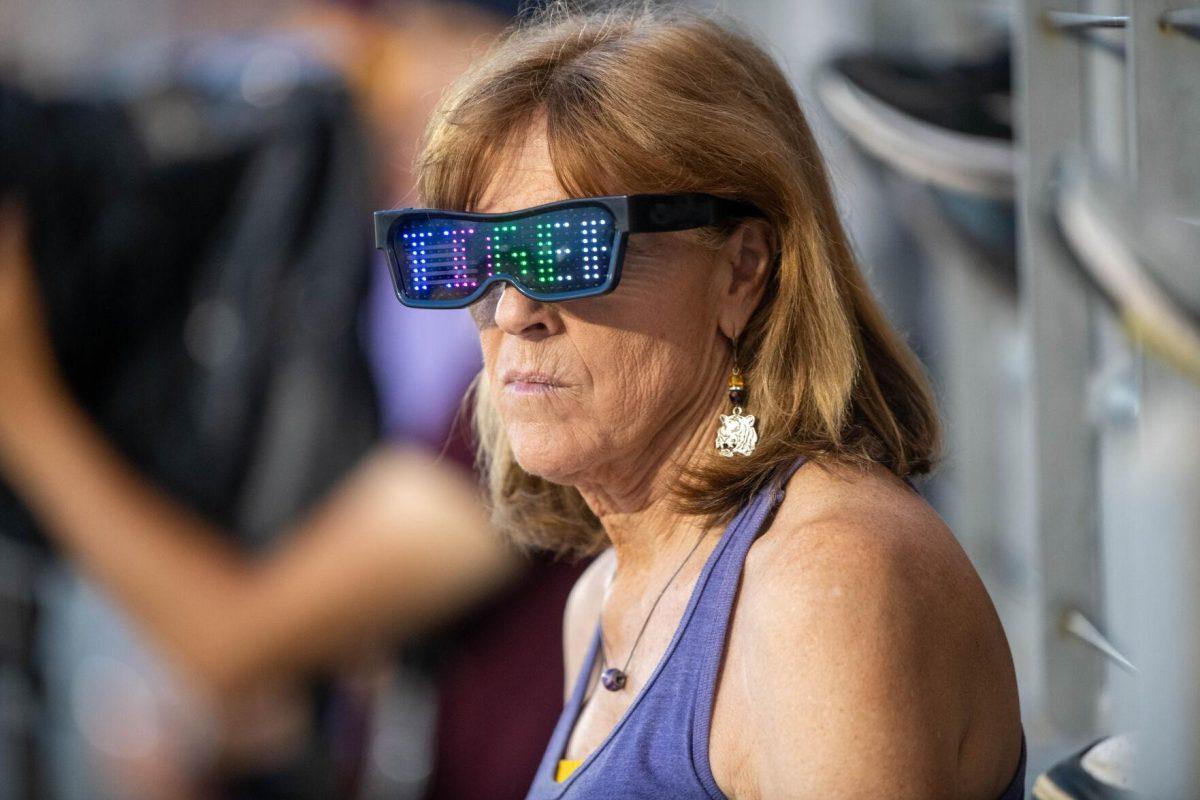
[622, 367]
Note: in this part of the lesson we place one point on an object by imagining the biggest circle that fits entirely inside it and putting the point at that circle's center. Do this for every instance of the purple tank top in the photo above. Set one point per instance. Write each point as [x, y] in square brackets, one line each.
[659, 747]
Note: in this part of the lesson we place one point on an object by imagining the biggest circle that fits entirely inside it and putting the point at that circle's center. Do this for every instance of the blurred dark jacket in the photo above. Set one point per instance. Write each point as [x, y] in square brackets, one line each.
[199, 226]
[202, 252]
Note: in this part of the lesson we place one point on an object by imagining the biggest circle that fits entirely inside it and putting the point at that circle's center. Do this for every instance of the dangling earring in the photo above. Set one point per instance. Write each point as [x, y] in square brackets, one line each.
[736, 434]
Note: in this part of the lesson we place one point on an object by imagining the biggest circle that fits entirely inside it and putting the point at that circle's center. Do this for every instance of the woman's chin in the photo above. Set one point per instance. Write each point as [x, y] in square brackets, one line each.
[549, 456]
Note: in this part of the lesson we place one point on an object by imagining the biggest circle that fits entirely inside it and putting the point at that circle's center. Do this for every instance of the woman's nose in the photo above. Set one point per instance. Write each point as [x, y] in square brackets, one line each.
[523, 316]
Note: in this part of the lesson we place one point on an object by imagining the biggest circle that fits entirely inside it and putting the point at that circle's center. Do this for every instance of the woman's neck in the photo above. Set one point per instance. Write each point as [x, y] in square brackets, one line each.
[631, 496]
[651, 541]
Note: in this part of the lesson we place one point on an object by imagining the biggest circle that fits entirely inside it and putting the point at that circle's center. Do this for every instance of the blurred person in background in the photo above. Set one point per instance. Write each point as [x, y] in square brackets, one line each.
[397, 550]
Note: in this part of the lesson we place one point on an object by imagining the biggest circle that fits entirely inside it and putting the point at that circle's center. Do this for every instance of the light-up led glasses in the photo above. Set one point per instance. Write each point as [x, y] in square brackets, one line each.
[555, 251]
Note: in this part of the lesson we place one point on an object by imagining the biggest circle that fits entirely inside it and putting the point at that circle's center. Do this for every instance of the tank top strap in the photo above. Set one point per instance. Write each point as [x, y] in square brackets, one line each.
[781, 481]
[712, 614]
[716, 596]
[719, 598]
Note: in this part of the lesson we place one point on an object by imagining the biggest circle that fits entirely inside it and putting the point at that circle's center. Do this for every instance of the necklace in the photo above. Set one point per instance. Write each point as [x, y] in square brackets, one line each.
[613, 678]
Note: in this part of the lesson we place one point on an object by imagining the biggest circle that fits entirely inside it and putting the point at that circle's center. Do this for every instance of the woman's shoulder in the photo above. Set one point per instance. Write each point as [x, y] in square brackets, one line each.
[858, 591]
[861, 547]
[838, 522]
[845, 542]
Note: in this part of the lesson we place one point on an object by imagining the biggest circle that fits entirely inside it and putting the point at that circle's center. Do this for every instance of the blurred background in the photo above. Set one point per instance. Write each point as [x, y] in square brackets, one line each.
[1022, 182]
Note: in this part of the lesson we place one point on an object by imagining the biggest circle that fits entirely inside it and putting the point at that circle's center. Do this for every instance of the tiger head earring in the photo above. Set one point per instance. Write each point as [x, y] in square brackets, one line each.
[736, 435]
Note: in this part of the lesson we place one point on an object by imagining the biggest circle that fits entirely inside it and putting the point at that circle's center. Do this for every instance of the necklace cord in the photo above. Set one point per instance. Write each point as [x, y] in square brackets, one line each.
[603, 656]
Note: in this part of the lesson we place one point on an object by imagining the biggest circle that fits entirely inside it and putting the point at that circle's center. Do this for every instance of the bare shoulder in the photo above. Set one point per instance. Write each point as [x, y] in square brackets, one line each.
[581, 612]
[837, 524]
[878, 645]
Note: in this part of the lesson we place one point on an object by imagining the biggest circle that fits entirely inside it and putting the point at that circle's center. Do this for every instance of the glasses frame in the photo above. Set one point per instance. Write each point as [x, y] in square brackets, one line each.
[631, 213]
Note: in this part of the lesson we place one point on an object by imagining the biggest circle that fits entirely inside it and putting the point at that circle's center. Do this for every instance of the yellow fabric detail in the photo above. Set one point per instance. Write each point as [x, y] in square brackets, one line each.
[565, 767]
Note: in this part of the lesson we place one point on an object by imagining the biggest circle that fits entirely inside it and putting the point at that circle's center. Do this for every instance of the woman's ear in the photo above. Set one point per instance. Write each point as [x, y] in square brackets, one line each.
[746, 259]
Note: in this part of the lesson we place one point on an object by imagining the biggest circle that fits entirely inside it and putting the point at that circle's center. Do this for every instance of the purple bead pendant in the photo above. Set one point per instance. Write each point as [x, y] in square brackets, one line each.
[613, 679]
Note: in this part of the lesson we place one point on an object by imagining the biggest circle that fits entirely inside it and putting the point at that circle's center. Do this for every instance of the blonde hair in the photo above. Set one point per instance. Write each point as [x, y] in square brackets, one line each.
[648, 97]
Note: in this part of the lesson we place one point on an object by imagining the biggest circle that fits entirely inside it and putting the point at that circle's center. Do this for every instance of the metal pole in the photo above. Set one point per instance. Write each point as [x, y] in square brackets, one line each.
[1164, 88]
[1060, 474]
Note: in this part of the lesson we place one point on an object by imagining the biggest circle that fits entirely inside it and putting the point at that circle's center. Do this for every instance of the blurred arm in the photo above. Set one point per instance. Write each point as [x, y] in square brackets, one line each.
[401, 544]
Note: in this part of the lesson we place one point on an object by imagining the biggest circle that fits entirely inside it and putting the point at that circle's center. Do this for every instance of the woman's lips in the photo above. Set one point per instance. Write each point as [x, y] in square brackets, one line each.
[531, 387]
[530, 382]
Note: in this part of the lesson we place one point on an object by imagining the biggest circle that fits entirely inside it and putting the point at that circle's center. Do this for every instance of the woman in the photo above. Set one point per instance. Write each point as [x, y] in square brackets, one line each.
[863, 657]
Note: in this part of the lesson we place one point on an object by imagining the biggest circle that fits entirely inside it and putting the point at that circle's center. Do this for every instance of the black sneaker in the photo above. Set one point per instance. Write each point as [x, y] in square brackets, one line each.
[1101, 771]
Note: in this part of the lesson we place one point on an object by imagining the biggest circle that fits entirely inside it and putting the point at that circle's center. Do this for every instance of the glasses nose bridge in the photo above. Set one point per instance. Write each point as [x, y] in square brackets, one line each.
[516, 312]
